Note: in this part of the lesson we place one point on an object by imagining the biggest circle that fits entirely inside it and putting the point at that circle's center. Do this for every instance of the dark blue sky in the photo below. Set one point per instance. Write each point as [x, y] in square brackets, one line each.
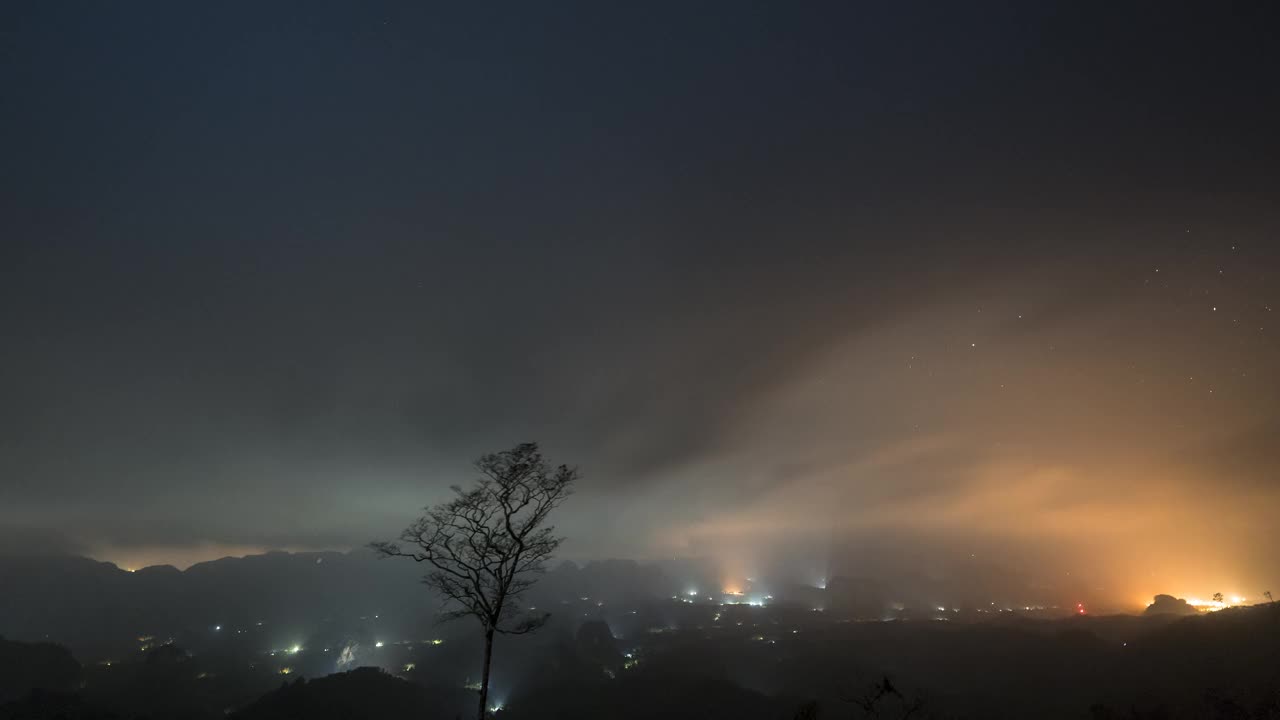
[271, 274]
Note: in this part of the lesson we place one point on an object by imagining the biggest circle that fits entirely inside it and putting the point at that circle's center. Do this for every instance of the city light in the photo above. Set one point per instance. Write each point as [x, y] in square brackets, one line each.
[469, 314]
[1214, 605]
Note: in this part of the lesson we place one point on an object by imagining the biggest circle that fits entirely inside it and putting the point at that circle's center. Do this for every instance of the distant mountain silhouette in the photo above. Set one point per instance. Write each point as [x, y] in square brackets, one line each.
[99, 610]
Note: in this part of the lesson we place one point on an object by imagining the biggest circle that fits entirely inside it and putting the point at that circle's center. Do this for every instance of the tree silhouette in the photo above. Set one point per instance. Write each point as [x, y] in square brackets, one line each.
[1267, 594]
[1217, 597]
[487, 544]
[884, 699]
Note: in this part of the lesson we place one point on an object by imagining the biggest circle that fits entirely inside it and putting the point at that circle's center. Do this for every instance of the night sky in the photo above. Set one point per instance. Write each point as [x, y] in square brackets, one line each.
[941, 280]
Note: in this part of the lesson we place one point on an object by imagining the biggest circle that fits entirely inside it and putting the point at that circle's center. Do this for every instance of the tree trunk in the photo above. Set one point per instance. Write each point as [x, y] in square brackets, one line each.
[484, 678]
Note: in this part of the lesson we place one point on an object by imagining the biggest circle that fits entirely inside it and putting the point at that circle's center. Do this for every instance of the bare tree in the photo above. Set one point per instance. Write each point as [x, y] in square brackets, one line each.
[1217, 597]
[487, 545]
[883, 699]
[1267, 594]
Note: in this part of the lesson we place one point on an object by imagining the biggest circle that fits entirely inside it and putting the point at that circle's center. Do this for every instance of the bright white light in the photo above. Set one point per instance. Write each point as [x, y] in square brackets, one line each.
[691, 593]
[295, 649]
[217, 628]
[496, 707]
[378, 644]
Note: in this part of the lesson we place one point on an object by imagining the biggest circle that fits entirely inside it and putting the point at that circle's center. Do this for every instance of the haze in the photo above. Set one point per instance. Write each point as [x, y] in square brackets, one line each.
[798, 290]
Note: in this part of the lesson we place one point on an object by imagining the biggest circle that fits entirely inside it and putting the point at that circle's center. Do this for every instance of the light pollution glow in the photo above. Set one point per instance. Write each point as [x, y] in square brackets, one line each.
[1070, 463]
[792, 314]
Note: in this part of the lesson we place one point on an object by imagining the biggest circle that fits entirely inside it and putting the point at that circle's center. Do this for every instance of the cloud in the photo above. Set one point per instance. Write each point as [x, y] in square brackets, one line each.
[26, 541]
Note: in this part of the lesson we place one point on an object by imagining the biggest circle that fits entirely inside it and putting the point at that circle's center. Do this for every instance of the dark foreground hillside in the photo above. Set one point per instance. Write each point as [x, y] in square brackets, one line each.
[360, 693]
[28, 666]
[754, 664]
